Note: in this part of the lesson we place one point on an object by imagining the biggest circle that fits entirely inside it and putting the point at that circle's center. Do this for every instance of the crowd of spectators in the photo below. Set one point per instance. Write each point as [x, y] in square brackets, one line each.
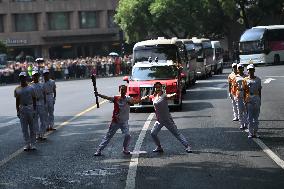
[68, 68]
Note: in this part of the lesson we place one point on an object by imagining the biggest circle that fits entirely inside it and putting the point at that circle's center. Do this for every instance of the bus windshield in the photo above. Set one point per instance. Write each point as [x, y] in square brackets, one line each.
[251, 47]
[163, 52]
[254, 34]
[154, 73]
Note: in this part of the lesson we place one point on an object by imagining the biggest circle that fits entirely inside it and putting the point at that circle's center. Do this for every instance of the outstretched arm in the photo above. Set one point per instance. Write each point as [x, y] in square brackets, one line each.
[169, 96]
[138, 100]
[103, 96]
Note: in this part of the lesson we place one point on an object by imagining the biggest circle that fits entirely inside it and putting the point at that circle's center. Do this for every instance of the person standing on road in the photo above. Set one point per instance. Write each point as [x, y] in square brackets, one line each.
[50, 91]
[26, 106]
[164, 118]
[239, 97]
[120, 119]
[252, 90]
[232, 91]
[40, 106]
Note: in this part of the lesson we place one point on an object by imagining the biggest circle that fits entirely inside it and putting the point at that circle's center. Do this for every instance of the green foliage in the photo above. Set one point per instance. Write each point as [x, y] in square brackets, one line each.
[140, 19]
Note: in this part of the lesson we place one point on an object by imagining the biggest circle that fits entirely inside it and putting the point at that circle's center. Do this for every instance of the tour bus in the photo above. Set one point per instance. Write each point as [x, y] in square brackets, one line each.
[163, 49]
[262, 45]
[203, 48]
[217, 57]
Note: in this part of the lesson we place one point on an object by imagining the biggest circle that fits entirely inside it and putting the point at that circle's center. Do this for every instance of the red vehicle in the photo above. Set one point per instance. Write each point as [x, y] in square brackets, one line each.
[146, 74]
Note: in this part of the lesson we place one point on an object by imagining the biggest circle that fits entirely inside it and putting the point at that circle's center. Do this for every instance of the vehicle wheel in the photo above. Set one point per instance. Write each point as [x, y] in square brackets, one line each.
[184, 90]
[179, 108]
[276, 59]
[194, 81]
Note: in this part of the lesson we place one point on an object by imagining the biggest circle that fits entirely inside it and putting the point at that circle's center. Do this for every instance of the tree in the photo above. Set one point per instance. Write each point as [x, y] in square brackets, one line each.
[140, 19]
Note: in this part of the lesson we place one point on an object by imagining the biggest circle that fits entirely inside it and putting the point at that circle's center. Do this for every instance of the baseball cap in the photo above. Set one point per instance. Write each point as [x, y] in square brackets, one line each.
[250, 66]
[45, 71]
[240, 66]
[34, 72]
[24, 74]
[234, 64]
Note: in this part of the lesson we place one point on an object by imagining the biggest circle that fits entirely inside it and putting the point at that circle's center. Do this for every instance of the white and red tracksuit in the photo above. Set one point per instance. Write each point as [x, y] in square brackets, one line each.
[120, 119]
[164, 118]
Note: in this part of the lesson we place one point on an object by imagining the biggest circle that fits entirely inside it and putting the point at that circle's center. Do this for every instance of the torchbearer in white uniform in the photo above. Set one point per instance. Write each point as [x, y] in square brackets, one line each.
[239, 97]
[25, 106]
[232, 91]
[50, 91]
[252, 89]
[120, 119]
[164, 118]
[40, 113]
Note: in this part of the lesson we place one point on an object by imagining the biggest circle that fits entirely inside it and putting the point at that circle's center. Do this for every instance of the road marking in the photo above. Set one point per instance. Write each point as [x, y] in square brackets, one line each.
[212, 80]
[208, 89]
[12, 122]
[269, 152]
[18, 152]
[131, 175]
[274, 76]
[268, 80]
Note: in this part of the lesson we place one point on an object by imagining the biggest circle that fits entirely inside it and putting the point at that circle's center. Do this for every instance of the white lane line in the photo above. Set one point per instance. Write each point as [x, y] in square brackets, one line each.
[275, 76]
[18, 152]
[131, 175]
[12, 122]
[268, 80]
[208, 89]
[271, 154]
[212, 80]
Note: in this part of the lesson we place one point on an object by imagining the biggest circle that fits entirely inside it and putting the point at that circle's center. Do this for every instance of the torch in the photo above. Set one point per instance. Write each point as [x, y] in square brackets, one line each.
[94, 81]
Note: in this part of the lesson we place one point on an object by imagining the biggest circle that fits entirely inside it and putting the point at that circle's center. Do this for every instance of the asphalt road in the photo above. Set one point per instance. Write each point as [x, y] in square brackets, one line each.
[223, 156]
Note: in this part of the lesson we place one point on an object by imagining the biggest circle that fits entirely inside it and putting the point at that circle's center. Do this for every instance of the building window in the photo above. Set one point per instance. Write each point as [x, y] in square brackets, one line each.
[23, 0]
[59, 21]
[25, 22]
[89, 19]
[111, 23]
[1, 24]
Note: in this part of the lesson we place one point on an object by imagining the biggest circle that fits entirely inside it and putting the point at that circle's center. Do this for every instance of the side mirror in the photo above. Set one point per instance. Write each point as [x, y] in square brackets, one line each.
[267, 51]
[125, 78]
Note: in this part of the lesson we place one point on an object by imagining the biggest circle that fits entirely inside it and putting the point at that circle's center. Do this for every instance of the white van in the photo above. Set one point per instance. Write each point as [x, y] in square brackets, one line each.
[217, 57]
[203, 48]
[163, 49]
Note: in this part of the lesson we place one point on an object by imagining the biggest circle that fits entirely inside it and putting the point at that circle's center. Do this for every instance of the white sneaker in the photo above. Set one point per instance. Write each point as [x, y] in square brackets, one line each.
[32, 147]
[158, 149]
[188, 149]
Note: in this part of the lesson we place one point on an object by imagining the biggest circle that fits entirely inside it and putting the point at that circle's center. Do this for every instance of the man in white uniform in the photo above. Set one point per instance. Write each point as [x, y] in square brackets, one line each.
[239, 97]
[40, 106]
[25, 106]
[232, 91]
[252, 89]
[50, 91]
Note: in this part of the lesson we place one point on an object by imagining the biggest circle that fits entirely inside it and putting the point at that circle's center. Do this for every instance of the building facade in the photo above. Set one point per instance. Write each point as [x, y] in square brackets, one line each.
[59, 28]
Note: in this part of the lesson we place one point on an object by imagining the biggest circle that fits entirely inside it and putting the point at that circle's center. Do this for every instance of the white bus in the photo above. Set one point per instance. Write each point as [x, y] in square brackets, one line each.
[262, 45]
[204, 50]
